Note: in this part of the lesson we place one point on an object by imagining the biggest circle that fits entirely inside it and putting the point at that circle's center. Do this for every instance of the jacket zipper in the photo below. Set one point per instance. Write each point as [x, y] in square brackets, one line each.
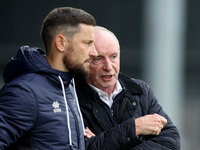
[122, 110]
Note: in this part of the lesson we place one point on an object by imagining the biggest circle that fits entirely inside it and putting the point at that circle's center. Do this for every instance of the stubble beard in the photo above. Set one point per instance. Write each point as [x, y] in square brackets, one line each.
[75, 69]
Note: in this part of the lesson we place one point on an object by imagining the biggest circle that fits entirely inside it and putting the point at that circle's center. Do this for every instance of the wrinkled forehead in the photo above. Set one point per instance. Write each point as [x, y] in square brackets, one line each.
[105, 42]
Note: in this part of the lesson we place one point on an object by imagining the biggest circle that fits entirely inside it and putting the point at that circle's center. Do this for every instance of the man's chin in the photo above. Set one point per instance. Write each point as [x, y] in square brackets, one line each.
[79, 72]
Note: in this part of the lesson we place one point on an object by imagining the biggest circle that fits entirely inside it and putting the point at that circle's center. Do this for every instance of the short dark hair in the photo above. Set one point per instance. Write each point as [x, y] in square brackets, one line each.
[64, 20]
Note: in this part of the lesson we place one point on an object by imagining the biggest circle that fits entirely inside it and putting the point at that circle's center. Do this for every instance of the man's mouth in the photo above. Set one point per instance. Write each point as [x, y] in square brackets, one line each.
[107, 76]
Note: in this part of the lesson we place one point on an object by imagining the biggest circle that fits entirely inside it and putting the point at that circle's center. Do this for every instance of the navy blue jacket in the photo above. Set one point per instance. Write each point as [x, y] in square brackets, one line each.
[34, 113]
[115, 128]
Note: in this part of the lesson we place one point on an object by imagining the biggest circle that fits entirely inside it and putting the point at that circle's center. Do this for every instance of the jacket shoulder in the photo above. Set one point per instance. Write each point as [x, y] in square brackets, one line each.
[134, 86]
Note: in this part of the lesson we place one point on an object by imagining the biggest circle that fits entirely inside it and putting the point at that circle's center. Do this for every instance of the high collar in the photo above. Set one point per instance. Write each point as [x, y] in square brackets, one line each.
[32, 60]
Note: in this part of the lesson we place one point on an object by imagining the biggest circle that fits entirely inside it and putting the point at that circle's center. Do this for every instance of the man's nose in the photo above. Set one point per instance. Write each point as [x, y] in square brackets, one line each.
[107, 65]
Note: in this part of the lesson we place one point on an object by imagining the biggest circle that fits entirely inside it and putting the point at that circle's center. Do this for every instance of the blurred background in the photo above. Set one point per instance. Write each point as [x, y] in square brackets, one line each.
[160, 44]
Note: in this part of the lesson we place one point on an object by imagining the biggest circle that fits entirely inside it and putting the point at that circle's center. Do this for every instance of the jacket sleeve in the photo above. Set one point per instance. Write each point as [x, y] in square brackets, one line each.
[16, 113]
[120, 137]
[169, 137]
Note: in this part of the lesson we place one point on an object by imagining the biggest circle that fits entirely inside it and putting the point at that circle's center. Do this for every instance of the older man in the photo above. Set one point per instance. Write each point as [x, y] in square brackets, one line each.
[122, 112]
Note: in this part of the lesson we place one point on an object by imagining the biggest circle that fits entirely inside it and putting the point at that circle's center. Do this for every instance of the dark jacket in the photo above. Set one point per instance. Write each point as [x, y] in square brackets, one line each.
[110, 125]
[33, 110]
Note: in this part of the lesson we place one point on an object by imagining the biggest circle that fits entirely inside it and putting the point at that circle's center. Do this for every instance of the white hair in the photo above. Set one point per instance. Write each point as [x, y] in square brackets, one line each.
[104, 29]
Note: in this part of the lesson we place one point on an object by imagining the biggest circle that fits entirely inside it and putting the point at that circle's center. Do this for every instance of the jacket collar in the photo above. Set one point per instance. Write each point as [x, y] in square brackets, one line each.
[129, 84]
[126, 82]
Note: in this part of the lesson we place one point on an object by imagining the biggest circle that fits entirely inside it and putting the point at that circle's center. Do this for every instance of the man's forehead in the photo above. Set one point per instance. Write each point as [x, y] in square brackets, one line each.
[107, 52]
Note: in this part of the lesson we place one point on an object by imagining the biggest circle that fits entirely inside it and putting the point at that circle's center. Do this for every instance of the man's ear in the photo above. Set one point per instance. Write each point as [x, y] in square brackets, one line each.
[60, 42]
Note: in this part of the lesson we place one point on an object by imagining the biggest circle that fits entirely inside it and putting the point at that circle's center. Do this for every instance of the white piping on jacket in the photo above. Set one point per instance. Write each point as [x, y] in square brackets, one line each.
[67, 111]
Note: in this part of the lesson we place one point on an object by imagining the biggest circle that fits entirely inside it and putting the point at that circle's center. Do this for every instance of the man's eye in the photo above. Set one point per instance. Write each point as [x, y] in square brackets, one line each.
[113, 57]
[97, 60]
[89, 43]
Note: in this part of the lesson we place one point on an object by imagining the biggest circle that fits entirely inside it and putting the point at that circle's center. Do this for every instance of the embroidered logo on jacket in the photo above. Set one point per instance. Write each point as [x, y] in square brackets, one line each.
[56, 107]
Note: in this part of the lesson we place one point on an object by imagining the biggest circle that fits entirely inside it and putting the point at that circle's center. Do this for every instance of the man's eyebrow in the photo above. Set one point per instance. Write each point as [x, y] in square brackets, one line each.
[115, 53]
[88, 40]
[100, 56]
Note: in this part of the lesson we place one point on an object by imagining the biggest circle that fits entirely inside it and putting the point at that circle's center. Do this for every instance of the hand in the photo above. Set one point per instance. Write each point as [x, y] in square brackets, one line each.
[150, 124]
[89, 133]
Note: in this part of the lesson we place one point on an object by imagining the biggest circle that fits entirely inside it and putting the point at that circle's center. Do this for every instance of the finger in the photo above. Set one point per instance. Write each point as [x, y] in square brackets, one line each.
[157, 130]
[89, 132]
[162, 119]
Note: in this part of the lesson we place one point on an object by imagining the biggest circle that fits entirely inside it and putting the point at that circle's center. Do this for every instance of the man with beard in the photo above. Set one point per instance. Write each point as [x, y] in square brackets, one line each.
[38, 103]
